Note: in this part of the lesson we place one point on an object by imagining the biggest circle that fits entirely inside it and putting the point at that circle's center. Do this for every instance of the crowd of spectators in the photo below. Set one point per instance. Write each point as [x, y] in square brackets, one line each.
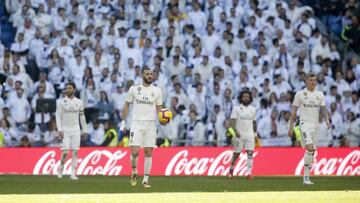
[341, 17]
[203, 53]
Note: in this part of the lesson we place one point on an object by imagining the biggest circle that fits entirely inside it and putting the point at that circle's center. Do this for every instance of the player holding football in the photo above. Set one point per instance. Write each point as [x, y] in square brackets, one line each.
[147, 102]
[243, 120]
[68, 112]
[309, 101]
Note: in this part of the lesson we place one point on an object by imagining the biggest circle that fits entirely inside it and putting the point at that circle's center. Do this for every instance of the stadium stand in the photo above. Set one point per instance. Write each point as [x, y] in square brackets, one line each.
[203, 53]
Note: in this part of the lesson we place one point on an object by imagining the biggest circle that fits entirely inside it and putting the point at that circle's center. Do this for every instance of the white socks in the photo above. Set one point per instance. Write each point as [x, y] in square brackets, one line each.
[74, 162]
[249, 164]
[64, 155]
[133, 161]
[308, 161]
[233, 160]
[147, 168]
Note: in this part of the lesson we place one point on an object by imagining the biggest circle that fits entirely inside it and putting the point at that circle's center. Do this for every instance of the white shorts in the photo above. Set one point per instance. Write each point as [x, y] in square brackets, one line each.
[243, 142]
[142, 134]
[309, 133]
[71, 140]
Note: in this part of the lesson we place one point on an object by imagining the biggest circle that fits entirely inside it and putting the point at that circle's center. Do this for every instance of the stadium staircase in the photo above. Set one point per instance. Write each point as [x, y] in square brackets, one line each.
[7, 31]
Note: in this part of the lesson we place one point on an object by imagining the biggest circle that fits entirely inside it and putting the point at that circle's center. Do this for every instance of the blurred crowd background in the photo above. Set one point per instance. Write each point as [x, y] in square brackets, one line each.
[203, 53]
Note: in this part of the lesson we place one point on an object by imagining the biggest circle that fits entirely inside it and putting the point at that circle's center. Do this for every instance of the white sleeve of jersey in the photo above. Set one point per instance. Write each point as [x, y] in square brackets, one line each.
[234, 113]
[82, 118]
[159, 100]
[296, 101]
[130, 96]
[59, 115]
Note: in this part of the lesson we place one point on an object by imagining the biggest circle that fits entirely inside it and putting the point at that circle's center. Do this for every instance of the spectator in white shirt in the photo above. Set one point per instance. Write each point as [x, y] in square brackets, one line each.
[282, 138]
[90, 96]
[60, 20]
[283, 104]
[280, 86]
[42, 20]
[10, 135]
[28, 30]
[213, 11]
[342, 86]
[131, 52]
[351, 130]
[180, 94]
[41, 94]
[176, 67]
[20, 15]
[197, 18]
[95, 133]
[337, 124]
[322, 49]
[20, 48]
[354, 104]
[197, 97]
[118, 98]
[51, 137]
[331, 97]
[325, 134]
[227, 102]
[20, 109]
[195, 135]
[304, 26]
[204, 68]
[298, 44]
[59, 76]
[210, 36]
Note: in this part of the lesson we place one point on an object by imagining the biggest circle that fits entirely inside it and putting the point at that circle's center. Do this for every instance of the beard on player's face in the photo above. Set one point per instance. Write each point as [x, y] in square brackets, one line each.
[246, 102]
[70, 93]
[147, 80]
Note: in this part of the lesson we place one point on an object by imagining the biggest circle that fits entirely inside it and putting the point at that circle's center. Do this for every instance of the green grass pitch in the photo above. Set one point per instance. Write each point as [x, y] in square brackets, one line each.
[22, 184]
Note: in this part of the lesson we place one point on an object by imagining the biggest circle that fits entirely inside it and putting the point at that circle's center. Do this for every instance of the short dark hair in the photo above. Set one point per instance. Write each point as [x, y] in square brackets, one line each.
[310, 75]
[71, 84]
[144, 69]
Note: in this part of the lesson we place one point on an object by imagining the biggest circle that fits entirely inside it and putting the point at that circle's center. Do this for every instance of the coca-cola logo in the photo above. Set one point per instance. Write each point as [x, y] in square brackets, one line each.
[180, 164]
[98, 162]
[348, 165]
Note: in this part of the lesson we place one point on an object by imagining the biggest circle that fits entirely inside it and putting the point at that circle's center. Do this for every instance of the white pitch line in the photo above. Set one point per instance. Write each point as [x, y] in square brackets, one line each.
[253, 197]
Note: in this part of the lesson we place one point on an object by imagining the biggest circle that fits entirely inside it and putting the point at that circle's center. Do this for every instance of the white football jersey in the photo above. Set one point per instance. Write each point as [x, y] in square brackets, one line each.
[144, 101]
[244, 115]
[68, 112]
[309, 104]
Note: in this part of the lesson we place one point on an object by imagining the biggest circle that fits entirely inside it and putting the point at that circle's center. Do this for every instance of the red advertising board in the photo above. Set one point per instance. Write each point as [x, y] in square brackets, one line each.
[181, 161]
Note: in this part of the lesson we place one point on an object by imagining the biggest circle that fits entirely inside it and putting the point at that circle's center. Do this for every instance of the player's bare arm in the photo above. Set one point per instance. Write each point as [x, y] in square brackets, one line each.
[292, 119]
[326, 115]
[158, 108]
[124, 114]
[232, 124]
[255, 128]
[125, 110]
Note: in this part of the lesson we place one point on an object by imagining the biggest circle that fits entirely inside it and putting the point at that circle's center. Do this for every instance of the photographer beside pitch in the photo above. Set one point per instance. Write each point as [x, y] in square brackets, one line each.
[309, 101]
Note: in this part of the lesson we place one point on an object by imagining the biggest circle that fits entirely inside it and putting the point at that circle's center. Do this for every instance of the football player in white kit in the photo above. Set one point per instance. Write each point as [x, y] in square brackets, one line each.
[310, 102]
[243, 120]
[68, 111]
[146, 100]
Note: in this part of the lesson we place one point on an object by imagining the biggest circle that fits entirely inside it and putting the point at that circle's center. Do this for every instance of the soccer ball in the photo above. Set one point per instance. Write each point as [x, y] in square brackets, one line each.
[165, 116]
